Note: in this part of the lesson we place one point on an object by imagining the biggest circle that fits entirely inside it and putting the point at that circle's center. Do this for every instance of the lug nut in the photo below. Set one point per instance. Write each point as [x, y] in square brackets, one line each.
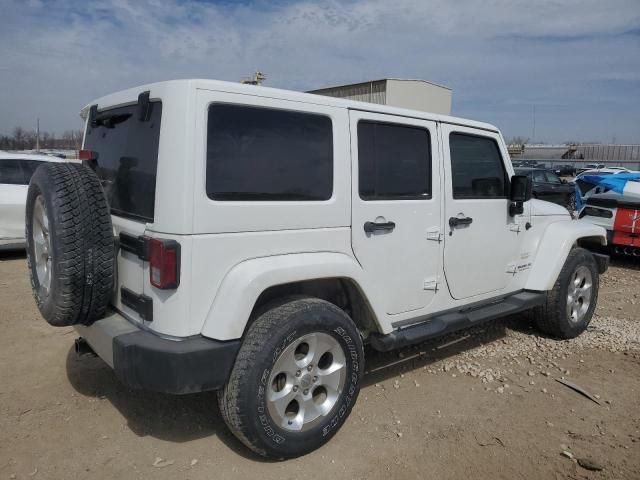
[295, 388]
[305, 392]
[310, 367]
[315, 379]
[298, 373]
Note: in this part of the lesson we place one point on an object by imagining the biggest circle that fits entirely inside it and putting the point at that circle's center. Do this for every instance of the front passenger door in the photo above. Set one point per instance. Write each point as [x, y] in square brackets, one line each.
[481, 243]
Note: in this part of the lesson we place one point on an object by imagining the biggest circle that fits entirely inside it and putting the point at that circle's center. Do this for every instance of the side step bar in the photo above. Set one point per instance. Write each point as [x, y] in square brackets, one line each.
[452, 321]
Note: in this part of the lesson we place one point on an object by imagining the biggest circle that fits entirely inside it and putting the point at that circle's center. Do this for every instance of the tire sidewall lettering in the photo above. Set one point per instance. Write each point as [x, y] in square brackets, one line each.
[279, 436]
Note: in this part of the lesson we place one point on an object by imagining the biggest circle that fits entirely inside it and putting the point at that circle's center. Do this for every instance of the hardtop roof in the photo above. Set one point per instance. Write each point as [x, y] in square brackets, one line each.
[130, 95]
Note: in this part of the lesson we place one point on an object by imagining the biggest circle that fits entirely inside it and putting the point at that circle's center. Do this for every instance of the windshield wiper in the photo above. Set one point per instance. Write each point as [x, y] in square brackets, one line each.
[109, 120]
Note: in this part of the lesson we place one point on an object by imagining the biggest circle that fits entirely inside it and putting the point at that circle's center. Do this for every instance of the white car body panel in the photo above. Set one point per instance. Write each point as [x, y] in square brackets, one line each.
[554, 246]
[477, 257]
[231, 251]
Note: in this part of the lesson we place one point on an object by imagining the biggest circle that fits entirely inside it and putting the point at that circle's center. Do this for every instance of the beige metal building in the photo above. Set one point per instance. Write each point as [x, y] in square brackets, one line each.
[396, 92]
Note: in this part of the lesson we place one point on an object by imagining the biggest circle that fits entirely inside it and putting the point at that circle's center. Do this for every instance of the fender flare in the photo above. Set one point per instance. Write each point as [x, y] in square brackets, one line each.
[243, 284]
[554, 247]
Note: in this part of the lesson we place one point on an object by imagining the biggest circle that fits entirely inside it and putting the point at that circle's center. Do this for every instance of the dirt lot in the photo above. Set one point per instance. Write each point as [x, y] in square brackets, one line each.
[480, 404]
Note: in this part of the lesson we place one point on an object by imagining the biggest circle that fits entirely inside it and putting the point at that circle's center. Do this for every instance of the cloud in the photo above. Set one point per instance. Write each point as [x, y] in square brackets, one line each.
[569, 58]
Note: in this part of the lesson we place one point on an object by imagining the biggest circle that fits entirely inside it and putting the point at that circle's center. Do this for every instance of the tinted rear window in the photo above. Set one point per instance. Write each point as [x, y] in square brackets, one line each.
[267, 154]
[127, 159]
[17, 172]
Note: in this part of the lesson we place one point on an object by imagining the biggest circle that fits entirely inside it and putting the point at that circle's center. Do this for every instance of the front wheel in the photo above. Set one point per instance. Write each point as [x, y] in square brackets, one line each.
[295, 380]
[569, 306]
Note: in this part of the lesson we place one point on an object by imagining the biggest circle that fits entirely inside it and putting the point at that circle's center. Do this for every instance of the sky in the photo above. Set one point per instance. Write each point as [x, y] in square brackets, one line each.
[576, 63]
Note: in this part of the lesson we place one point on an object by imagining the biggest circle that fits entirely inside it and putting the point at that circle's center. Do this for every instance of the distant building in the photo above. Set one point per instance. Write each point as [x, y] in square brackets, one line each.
[413, 94]
[549, 152]
[579, 155]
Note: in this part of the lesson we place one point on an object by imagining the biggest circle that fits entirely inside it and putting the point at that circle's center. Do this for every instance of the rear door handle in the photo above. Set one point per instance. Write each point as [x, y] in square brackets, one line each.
[457, 221]
[371, 227]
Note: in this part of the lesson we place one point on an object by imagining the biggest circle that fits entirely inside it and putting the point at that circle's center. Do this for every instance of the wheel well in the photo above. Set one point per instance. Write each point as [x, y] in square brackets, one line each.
[593, 243]
[342, 292]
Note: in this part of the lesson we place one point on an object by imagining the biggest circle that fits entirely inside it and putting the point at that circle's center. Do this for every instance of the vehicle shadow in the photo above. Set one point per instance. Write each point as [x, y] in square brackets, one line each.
[381, 366]
[185, 418]
[173, 418]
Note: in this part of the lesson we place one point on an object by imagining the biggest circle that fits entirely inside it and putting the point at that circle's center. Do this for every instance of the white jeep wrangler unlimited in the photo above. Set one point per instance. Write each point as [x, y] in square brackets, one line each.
[250, 240]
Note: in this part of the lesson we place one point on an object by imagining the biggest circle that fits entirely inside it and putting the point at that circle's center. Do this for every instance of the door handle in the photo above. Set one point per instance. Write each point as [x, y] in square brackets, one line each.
[371, 227]
[457, 221]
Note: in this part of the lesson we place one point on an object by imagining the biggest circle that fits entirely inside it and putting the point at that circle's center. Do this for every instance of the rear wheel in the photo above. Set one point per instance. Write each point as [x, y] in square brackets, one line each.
[569, 306]
[70, 248]
[295, 380]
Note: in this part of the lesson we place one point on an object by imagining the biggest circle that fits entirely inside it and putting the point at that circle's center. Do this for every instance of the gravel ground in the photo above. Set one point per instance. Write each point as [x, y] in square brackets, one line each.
[483, 403]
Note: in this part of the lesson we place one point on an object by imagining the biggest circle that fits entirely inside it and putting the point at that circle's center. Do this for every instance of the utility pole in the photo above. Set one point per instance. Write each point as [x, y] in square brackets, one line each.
[534, 125]
[37, 135]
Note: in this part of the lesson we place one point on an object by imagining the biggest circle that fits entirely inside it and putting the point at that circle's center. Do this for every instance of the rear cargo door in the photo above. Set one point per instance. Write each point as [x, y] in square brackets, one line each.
[125, 143]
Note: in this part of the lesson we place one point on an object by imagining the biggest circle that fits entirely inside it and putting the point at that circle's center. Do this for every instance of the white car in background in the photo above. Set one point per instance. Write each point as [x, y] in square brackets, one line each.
[15, 172]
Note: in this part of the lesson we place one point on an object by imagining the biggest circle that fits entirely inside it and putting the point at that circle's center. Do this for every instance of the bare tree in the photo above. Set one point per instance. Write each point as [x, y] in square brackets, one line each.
[18, 138]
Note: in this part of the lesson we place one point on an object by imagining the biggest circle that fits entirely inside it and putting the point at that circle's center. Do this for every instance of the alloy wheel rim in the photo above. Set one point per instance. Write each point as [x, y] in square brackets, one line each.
[306, 382]
[579, 294]
[42, 245]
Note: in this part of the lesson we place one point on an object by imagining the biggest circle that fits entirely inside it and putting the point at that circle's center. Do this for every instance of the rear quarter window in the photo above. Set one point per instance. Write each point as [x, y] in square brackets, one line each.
[264, 154]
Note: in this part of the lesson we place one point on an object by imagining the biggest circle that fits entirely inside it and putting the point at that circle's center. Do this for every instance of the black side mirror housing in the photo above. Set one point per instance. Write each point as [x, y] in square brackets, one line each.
[520, 192]
[520, 188]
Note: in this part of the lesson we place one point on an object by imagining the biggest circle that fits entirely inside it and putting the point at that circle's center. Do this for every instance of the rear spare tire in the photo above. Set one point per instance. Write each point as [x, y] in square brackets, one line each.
[70, 248]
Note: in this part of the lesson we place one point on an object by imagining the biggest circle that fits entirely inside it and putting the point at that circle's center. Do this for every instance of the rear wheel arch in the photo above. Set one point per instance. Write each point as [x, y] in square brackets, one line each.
[332, 276]
[344, 293]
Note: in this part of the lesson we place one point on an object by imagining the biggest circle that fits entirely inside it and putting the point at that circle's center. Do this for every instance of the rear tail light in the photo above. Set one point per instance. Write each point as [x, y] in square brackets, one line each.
[86, 155]
[164, 263]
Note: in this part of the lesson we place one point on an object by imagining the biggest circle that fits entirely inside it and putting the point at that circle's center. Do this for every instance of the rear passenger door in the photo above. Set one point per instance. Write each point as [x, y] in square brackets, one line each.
[396, 216]
[481, 243]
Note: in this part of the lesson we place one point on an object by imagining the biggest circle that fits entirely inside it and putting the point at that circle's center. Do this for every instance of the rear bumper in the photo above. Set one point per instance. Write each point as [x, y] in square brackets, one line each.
[144, 360]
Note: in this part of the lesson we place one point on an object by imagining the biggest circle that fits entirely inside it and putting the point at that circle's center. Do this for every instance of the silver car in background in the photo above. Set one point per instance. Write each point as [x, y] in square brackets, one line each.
[15, 172]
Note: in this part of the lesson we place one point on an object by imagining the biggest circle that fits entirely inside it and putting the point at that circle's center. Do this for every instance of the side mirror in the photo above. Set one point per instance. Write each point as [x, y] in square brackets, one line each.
[520, 192]
[520, 188]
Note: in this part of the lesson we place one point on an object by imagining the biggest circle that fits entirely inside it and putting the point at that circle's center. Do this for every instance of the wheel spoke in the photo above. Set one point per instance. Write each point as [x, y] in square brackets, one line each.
[332, 376]
[280, 400]
[321, 345]
[46, 279]
[579, 292]
[309, 410]
[39, 242]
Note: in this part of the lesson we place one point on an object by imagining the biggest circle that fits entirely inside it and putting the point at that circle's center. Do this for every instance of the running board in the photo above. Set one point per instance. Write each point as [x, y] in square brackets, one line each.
[451, 321]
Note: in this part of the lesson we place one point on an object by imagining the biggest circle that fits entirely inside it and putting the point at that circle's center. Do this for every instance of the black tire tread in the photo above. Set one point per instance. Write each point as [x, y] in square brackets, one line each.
[550, 317]
[231, 401]
[82, 240]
